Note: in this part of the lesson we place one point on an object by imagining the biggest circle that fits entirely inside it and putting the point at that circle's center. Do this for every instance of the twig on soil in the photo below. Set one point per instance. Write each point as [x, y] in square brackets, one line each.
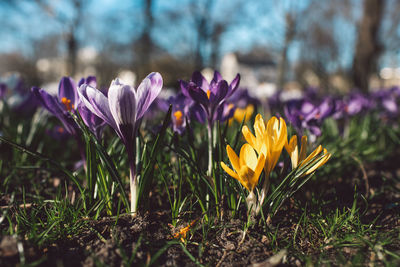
[26, 205]
[222, 258]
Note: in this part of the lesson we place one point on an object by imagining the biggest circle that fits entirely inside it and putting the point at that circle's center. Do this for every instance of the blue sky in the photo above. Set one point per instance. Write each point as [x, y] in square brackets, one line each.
[266, 28]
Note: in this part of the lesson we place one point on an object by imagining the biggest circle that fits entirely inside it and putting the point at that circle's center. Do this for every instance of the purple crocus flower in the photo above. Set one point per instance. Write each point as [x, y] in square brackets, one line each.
[357, 103]
[386, 99]
[122, 109]
[209, 95]
[180, 111]
[60, 106]
[303, 114]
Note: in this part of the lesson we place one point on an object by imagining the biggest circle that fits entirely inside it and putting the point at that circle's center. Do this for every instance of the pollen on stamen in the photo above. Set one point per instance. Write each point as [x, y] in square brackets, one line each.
[67, 103]
[179, 117]
[208, 93]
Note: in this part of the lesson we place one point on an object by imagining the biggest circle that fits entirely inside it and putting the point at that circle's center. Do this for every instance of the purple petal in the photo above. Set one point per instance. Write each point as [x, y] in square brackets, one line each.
[217, 78]
[184, 87]
[90, 80]
[50, 102]
[122, 103]
[234, 84]
[198, 95]
[67, 89]
[147, 91]
[97, 103]
[219, 92]
[200, 81]
[390, 105]
[197, 112]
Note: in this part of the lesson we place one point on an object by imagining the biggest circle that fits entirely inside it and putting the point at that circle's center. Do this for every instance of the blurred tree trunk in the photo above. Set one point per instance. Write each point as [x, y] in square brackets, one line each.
[218, 30]
[368, 48]
[71, 38]
[145, 48]
[289, 36]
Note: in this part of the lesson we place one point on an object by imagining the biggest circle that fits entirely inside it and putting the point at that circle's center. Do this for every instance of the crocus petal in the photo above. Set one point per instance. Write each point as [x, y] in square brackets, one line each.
[303, 149]
[320, 162]
[217, 77]
[253, 181]
[184, 87]
[229, 171]
[198, 95]
[246, 175]
[200, 81]
[67, 89]
[293, 151]
[259, 126]
[260, 166]
[122, 103]
[218, 92]
[249, 137]
[248, 157]
[97, 103]
[234, 84]
[50, 102]
[234, 159]
[147, 91]
[312, 155]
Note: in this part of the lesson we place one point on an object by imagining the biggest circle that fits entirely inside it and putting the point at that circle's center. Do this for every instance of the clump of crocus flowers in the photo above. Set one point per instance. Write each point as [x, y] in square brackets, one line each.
[262, 152]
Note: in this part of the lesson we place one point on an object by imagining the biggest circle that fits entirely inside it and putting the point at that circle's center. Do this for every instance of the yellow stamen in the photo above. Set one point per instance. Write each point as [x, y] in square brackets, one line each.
[179, 117]
[208, 94]
[67, 103]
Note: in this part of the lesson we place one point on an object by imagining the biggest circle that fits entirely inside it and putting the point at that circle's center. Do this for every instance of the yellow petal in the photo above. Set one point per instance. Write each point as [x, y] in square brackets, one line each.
[260, 166]
[312, 155]
[282, 132]
[234, 159]
[248, 157]
[303, 149]
[259, 126]
[245, 176]
[293, 151]
[229, 171]
[239, 114]
[249, 137]
[320, 162]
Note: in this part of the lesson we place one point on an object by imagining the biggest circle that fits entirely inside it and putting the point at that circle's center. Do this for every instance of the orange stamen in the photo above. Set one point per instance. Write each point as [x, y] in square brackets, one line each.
[179, 117]
[183, 232]
[208, 94]
[67, 103]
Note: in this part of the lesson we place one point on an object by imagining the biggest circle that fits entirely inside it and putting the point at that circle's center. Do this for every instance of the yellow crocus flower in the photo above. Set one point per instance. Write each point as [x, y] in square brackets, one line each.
[301, 159]
[247, 167]
[268, 140]
[243, 113]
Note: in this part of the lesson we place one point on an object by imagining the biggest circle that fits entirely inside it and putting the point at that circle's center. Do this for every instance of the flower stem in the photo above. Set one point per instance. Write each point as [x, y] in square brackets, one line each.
[212, 178]
[133, 181]
[210, 148]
